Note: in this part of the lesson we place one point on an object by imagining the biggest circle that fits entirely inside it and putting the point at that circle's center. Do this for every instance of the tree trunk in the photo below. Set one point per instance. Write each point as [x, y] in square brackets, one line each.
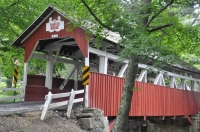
[9, 82]
[125, 104]
[131, 72]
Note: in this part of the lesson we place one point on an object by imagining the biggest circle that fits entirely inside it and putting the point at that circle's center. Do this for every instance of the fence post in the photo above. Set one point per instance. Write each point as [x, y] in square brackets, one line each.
[86, 96]
[46, 105]
[71, 100]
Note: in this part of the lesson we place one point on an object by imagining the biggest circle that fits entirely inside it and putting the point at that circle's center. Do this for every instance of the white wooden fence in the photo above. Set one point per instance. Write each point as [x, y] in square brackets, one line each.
[20, 96]
[47, 105]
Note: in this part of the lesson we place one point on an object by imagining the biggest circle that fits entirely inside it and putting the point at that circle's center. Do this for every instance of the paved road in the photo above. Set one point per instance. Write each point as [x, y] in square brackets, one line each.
[19, 107]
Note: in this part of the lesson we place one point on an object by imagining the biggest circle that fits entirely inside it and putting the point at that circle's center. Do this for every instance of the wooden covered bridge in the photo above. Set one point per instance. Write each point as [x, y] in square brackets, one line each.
[47, 38]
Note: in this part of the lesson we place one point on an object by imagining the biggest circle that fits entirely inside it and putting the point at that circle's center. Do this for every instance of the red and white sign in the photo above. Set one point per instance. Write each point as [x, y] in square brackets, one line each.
[55, 25]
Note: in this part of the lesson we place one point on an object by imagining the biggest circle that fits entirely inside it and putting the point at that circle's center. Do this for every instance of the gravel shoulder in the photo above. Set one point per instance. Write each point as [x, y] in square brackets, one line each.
[29, 121]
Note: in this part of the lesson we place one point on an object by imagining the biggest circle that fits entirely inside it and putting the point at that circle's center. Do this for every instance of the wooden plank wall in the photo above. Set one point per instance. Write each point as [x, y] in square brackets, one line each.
[105, 92]
[36, 91]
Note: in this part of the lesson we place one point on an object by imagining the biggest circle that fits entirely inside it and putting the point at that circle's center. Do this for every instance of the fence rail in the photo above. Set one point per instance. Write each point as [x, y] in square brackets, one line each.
[48, 105]
[11, 89]
[20, 96]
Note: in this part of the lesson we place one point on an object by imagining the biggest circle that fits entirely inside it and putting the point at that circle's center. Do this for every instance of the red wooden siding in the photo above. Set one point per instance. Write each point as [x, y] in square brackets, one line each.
[41, 33]
[151, 100]
[36, 90]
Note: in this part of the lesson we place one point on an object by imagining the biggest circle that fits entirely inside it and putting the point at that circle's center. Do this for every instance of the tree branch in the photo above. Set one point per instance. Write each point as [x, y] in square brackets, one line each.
[13, 4]
[153, 17]
[195, 19]
[95, 17]
[165, 32]
[178, 37]
[160, 27]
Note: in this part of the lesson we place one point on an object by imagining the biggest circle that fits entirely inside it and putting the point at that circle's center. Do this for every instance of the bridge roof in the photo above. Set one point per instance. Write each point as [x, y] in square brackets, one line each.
[110, 41]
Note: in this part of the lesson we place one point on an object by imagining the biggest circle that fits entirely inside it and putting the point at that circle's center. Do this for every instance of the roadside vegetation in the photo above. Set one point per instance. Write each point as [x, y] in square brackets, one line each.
[167, 31]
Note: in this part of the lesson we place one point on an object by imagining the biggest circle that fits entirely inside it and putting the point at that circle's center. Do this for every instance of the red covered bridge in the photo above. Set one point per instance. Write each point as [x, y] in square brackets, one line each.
[105, 92]
[157, 93]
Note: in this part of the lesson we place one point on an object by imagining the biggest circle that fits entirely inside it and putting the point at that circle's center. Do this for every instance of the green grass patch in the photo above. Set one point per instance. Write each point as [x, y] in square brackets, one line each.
[2, 84]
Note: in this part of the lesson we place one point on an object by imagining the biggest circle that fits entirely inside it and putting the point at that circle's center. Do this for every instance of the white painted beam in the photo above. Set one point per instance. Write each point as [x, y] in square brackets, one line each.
[103, 53]
[143, 76]
[76, 78]
[49, 70]
[67, 78]
[173, 82]
[159, 79]
[25, 75]
[144, 66]
[103, 64]
[25, 79]
[114, 57]
[122, 70]
[87, 63]
[198, 86]
[57, 53]
[59, 59]
[192, 85]
[183, 84]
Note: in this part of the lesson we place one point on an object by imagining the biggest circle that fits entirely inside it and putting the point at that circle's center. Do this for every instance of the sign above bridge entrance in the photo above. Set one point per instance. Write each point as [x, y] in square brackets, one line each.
[54, 25]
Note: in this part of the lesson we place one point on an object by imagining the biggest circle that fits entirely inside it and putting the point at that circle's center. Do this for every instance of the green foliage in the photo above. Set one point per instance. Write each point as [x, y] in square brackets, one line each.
[149, 29]
[166, 45]
[2, 85]
[15, 16]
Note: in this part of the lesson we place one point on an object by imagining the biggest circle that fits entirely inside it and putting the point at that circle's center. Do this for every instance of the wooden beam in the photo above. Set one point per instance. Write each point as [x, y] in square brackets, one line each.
[159, 79]
[46, 105]
[172, 82]
[189, 119]
[87, 63]
[103, 53]
[143, 76]
[103, 64]
[192, 85]
[12, 89]
[54, 45]
[76, 78]
[12, 97]
[144, 66]
[49, 70]
[67, 78]
[183, 84]
[71, 99]
[59, 41]
[122, 70]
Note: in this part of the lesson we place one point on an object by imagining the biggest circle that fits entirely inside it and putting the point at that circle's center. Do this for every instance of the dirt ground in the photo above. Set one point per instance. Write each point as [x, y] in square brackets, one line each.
[55, 121]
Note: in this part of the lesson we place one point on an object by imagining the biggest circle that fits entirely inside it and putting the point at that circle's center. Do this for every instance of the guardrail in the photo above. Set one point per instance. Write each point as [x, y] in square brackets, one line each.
[14, 96]
[48, 105]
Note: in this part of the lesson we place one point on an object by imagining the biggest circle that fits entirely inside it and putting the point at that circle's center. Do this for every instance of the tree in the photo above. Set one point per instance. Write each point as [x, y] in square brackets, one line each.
[16, 16]
[148, 29]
